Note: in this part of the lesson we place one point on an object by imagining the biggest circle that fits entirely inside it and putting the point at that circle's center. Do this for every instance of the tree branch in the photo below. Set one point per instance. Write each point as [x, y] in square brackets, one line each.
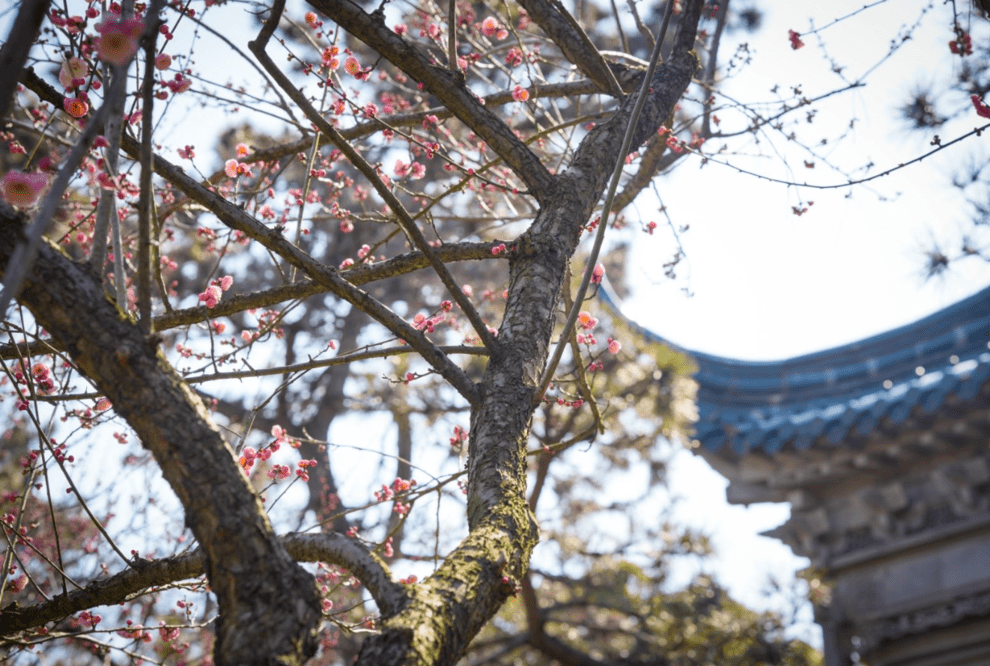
[145, 195]
[330, 547]
[231, 305]
[447, 87]
[447, 610]
[573, 41]
[236, 218]
[406, 223]
[248, 569]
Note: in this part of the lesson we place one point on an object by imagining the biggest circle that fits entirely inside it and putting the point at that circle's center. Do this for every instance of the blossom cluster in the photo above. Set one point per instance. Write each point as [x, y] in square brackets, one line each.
[962, 45]
[211, 297]
[795, 39]
[421, 322]
[460, 437]
[38, 376]
[389, 493]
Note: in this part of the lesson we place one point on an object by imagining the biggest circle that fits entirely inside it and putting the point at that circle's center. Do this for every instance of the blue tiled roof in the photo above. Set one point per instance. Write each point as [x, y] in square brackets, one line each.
[848, 390]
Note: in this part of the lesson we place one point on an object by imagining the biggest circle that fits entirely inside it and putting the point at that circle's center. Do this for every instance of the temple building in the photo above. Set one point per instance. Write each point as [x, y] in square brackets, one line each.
[882, 449]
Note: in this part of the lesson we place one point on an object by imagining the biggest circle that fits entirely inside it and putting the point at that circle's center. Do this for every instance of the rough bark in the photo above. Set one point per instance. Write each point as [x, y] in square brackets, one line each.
[447, 610]
[269, 608]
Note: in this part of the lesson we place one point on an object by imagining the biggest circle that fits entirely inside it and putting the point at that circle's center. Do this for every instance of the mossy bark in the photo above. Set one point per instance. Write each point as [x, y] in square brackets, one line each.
[269, 609]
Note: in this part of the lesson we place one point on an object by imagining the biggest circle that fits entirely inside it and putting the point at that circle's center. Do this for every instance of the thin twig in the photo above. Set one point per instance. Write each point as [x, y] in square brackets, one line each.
[147, 159]
[403, 217]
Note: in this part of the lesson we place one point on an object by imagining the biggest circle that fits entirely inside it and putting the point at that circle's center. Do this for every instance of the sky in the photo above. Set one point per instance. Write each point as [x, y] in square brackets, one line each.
[765, 284]
[768, 285]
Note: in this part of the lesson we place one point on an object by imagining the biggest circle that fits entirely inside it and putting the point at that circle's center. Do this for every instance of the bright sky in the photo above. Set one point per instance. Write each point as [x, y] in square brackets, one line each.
[769, 285]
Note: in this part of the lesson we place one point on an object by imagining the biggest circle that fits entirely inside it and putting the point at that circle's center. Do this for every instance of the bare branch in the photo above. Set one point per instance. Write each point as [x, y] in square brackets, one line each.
[337, 549]
[247, 566]
[236, 218]
[405, 220]
[145, 201]
[573, 41]
[450, 89]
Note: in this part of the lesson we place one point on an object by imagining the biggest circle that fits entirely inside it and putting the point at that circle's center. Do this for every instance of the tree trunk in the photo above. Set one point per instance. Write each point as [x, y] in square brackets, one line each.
[269, 608]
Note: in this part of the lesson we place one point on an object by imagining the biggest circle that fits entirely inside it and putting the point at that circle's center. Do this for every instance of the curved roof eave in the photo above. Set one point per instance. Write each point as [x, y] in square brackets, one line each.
[766, 404]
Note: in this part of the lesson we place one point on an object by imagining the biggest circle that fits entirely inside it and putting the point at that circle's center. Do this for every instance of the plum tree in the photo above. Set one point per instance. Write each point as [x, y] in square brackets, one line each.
[354, 333]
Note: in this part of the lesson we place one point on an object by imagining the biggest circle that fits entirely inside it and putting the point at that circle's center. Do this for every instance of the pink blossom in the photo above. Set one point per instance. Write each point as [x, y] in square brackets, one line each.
[795, 38]
[22, 189]
[418, 170]
[248, 456]
[490, 26]
[186, 153]
[982, 110]
[520, 94]
[962, 45]
[586, 321]
[72, 70]
[163, 61]
[225, 282]
[614, 346]
[75, 106]
[329, 57]
[230, 168]
[352, 66]
[179, 84]
[118, 40]
[211, 296]
[400, 169]
[597, 274]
